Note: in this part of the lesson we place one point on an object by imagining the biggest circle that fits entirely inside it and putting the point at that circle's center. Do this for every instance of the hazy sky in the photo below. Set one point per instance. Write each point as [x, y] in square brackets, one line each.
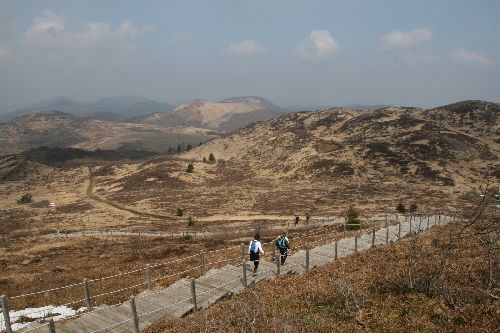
[294, 53]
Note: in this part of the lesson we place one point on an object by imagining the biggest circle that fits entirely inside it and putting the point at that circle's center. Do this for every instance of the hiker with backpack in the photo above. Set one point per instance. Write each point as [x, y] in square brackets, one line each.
[283, 245]
[255, 250]
[297, 219]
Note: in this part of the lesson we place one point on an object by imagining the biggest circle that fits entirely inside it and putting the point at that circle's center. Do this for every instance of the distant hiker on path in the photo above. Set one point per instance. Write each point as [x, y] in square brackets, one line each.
[283, 245]
[297, 219]
[308, 217]
[255, 249]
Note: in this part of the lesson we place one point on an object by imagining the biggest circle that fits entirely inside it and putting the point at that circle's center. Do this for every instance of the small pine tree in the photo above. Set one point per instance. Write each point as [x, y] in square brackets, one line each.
[400, 208]
[204, 159]
[190, 168]
[190, 222]
[352, 217]
[25, 198]
[188, 147]
[180, 212]
[211, 157]
[179, 148]
[413, 208]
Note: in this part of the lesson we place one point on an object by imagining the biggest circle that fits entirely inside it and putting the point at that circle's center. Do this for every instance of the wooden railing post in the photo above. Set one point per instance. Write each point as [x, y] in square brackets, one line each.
[356, 243]
[307, 259]
[278, 263]
[5, 311]
[134, 314]
[244, 266]
[373, 236]
[193, 293]
[86, 292]
[148, 276]
[52, 326]
[202, 263]
[336, 252]
[386, 231]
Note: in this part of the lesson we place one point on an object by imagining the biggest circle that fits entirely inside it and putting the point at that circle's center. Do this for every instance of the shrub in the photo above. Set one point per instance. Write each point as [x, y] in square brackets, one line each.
[352, 218]
[180, 212]
[190, 222]
[188, 237]
[188, 147]
[25, 198]
[179, 149]
[190, 168]
[413, 208]
[211, 157]
[400, 208]
[204, 159]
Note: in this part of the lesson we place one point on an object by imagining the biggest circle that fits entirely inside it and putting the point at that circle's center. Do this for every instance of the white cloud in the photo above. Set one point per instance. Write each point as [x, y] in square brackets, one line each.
[401, 39]
[127, 28]
[463, 56]
[246, 47]
[52, 33]
[319, 45]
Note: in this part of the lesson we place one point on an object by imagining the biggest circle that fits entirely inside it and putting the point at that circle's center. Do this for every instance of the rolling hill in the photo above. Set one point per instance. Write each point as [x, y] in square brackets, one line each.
[225, 116]
[60, 129]
[325, 161]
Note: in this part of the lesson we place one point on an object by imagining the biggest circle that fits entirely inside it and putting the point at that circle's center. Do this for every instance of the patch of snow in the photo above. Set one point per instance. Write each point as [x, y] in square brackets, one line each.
[39, 315]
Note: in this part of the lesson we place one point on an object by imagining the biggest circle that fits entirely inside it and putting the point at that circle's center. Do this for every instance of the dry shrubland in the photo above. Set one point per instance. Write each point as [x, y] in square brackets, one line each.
[444, 280]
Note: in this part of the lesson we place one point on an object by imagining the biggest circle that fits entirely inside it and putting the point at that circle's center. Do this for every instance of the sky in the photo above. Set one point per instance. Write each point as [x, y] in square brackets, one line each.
[297, 54]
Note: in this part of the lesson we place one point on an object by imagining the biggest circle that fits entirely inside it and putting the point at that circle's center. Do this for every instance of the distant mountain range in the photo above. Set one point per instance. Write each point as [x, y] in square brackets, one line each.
[110, 123]
[119, 108]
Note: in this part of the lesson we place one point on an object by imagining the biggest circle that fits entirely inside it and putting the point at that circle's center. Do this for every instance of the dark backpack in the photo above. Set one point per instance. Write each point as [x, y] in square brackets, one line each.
[280, 242]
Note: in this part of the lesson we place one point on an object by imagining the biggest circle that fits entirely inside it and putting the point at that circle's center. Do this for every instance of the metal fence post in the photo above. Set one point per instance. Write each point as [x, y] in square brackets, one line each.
[244, 265]
[336, 250]
[386, 231]
[242, 251]
[411, 229]
[373, 236]
[356, 243]
[5, 311]
[134, 314]
[428, 220]
[303, 241]
[86, 292]
[148, 276]
[193, 293]
[278, 263]
[274, 251]
[307, 259]
[52, 326]
[399, 230]
[202, 263]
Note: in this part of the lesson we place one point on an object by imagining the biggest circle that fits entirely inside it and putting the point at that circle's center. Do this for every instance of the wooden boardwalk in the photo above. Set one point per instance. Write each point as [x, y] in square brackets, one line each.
[177, 300]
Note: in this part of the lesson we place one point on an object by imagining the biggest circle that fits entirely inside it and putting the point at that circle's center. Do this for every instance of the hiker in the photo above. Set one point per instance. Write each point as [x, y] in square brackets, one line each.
[255, 249]
[283, 245]
[308, 217]
[297, 219]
